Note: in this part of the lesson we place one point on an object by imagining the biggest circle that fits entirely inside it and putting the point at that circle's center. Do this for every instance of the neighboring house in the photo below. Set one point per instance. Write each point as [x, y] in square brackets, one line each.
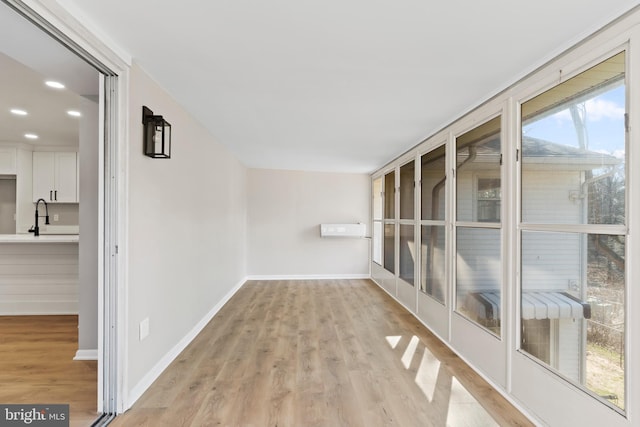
[554, 265]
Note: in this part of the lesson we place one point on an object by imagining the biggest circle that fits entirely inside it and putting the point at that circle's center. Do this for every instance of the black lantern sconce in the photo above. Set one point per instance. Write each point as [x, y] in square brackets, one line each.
[157, 135]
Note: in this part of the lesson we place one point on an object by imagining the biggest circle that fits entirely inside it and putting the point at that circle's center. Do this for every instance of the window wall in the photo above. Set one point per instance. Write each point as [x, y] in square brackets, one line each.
[573, 238]
[407, 250]
[377, 210]
[478, 228]
[521, 218]
[389, 262]
[433, 181]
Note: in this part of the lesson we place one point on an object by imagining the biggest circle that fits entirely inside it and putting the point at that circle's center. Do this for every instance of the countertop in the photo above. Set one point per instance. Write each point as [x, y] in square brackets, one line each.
[43, 238]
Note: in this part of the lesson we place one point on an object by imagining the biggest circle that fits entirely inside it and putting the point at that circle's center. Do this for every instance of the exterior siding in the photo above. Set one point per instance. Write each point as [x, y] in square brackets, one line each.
[546, 196]
[550, 261]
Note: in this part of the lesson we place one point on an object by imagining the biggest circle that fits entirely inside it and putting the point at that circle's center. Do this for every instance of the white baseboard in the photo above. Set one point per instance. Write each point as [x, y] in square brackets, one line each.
[310, 277]
[37, 308]
[86, 355]
[154, 373]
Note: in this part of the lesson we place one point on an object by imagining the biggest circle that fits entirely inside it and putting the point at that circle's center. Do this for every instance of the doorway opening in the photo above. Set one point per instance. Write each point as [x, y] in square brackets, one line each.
[75, 120]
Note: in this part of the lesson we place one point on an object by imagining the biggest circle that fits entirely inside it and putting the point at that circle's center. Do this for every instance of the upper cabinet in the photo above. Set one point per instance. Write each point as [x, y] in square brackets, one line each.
[55, 177]
[7, 161]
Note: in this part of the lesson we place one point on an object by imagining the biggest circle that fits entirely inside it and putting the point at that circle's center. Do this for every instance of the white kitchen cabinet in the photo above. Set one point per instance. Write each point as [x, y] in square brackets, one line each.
[55, 177]
[7, 161]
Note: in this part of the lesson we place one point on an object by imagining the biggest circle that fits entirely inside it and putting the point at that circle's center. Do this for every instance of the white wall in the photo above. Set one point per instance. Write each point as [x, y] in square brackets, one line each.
[7, 205]
[186, 231]
[89, 228]
[285, 210]
[24, 191]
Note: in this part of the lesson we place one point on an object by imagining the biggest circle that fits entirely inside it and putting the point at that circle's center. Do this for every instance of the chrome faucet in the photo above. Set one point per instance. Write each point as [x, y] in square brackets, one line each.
[36, 230]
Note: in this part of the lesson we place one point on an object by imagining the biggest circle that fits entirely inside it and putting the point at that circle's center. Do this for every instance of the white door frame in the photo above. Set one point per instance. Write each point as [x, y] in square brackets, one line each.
[113, 65]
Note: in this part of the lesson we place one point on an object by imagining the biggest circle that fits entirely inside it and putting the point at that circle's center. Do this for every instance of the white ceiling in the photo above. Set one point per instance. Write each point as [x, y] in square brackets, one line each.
[23, 88]
[338, 85]
[28, 57]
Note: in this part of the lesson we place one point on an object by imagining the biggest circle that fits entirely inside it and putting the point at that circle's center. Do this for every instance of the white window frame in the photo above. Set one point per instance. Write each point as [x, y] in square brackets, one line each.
[583, 229]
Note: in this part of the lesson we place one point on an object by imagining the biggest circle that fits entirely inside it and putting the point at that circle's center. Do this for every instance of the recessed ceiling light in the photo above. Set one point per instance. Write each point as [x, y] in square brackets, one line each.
[31, 136]
[74, 113]
[18, 112]
[54, 84]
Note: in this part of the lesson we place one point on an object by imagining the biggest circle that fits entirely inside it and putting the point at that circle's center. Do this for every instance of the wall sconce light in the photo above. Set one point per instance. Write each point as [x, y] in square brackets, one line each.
[157, 135]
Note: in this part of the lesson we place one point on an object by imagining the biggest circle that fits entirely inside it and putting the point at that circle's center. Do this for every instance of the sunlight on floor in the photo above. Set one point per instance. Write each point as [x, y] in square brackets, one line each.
[426, 377]
[393, 340]
[464, 409]
[407, 357]
[452, 403]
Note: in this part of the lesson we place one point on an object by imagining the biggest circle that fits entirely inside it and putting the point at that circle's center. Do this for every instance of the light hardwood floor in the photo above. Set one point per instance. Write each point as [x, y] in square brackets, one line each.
[318, 353]
[37, 366]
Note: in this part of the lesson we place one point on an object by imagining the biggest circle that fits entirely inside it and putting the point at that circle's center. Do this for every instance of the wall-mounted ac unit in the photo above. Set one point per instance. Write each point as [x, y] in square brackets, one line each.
[343, 230]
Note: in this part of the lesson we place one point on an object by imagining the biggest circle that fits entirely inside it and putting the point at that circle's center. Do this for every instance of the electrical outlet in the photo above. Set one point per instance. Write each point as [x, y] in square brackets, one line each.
[144, 329]
[55, 217]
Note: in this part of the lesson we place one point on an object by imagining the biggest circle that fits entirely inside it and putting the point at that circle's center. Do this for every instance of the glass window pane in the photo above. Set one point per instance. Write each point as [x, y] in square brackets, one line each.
[488, 198]
[478, 154]
[376, 191]
[389, 195]
[407, 253]
[573, 149]
[407, 187]
[377, 217]
[479, 276]
[432, 277]
[433, 179]
[389, 247]
[573, 307]
[377, 242]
